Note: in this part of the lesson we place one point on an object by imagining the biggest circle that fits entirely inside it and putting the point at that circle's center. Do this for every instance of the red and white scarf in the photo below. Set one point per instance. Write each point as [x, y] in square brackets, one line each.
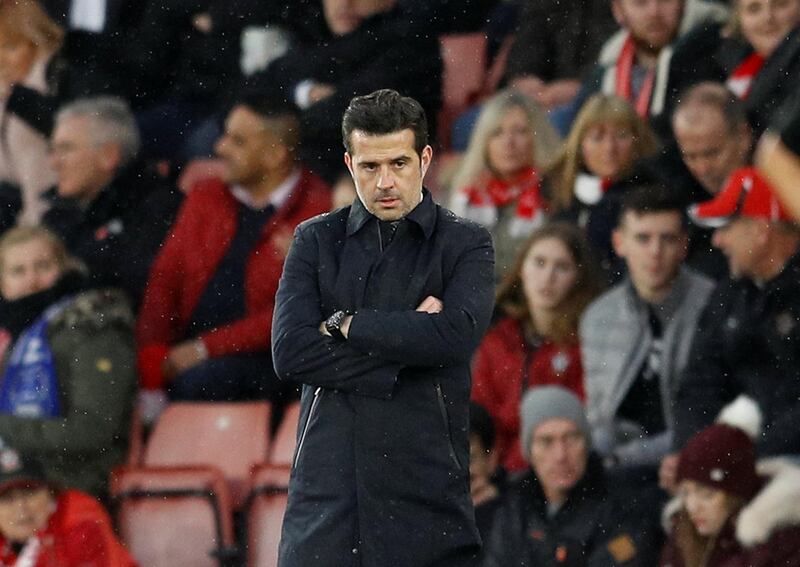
[484, 200]
[589, 189]
[740, 80]
[623, 75]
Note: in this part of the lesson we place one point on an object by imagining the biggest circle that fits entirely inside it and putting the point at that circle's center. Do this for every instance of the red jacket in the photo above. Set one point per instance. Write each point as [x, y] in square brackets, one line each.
[201, 235]
[504, 366]
[78, 534]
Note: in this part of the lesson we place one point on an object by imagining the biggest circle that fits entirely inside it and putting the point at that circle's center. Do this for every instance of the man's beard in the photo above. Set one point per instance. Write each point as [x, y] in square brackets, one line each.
[644, 46]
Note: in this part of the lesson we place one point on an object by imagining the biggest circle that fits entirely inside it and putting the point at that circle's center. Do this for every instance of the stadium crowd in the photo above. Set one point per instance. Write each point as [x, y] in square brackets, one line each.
[636, 400]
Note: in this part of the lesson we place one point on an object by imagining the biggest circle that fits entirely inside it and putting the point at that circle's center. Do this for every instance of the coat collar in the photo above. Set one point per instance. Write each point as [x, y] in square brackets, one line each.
[423, 215]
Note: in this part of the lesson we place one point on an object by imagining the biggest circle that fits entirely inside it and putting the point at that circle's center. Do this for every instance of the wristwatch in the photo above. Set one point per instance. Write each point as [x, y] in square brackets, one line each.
[333, 325]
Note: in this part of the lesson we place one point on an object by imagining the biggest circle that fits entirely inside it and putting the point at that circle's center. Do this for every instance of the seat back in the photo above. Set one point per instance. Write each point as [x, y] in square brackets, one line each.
[285, 441]
[173, 516]
[463, 77]
[230, 436]
[268, 500]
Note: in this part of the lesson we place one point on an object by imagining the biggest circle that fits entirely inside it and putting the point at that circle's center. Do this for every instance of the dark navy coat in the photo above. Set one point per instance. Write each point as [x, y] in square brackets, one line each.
[381, 471]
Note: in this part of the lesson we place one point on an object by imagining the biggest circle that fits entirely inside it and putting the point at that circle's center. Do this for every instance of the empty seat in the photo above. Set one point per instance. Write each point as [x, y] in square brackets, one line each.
[285, 440]
[230, 436]
[265, 510]
[173, 516]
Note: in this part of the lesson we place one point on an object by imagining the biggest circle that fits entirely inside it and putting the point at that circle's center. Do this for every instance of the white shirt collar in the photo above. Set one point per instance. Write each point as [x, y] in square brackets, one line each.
[277, 198]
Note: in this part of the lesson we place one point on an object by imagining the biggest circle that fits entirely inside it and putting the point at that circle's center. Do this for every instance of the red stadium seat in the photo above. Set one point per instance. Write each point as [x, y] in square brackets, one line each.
[285, 440]
[229, 436]
[173, 516]
[265, 510]
[463, 79]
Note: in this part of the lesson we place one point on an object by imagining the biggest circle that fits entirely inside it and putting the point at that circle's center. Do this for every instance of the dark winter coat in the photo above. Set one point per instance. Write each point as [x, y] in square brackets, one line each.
[95, 362]
[119, 234]
[705, 55]
[590, 529]
[559, 40]
[747, 342]
[765, 533]
[381, 473]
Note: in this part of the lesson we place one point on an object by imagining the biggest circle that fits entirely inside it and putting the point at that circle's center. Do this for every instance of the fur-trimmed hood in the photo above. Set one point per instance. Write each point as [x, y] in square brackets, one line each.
[776, 506]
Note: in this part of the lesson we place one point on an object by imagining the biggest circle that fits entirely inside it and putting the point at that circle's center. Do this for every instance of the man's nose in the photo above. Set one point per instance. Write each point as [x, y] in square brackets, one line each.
[385, 178]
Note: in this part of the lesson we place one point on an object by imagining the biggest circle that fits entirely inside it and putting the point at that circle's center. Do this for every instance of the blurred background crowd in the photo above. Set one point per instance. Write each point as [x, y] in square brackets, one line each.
[637, 398]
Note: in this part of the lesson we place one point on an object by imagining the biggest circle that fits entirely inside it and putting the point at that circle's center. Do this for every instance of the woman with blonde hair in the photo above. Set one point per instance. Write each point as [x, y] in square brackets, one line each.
[597, 166]
[29, 39]
[498, 180]
[535, 343]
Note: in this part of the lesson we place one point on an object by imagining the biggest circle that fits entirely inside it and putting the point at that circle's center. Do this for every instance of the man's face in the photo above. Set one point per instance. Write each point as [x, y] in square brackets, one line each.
[245, 147]
[741, 243]
[653, 24]
[23, 511]
[344, 16]
[653, 246]
[558, 455]
[83, 167]
[387, 172]
[710, 150]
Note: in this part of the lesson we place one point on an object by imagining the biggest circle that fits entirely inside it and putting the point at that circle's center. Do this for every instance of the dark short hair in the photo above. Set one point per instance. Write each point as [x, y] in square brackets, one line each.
[652, 198]
[273, 107]
[481, 425]
[384, 112]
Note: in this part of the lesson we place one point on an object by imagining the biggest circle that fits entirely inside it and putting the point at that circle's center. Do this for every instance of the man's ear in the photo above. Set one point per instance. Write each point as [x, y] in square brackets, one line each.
[425, 159]
[618, 241]
[110, 157]
[618, 13]
[348, 161]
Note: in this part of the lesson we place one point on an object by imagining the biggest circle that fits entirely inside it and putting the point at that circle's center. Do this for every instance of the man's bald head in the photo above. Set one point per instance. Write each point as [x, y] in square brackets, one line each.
[710, 126]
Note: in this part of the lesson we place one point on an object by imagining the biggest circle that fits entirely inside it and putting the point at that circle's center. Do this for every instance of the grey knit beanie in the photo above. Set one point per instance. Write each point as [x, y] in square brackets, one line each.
[548, 402]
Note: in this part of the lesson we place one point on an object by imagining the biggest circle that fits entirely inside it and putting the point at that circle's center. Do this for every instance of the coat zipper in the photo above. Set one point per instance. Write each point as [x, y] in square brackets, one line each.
[314, 402]
[446, 422]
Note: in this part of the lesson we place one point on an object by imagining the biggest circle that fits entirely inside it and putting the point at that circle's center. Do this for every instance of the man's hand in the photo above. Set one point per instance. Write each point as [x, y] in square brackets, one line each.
[668, 473]
[184, 356]
[320, 91]
[528, 85]
[430, 305]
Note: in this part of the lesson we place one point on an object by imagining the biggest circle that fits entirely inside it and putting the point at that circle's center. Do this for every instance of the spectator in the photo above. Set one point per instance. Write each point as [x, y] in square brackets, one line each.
[635, 338]
[555, 44]
[536, 341]
[483, 483]
[30, 41]
[74, 71]
[173, 94]
[729, 512]
[596, 167]
[561, 512]
[373, 44]
[204, 327]
[635, 64]
[747, 339]
[757, 55]
[42, 525]
[75, 416]
[110, 210]
[498, 181]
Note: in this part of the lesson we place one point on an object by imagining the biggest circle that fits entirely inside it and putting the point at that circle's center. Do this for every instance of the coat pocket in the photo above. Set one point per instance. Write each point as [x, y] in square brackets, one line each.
[311, 411]
[446, 424]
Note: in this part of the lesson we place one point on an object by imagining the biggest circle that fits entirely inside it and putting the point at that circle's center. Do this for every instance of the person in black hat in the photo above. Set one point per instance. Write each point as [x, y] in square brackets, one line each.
[725, 513]
[43, 526]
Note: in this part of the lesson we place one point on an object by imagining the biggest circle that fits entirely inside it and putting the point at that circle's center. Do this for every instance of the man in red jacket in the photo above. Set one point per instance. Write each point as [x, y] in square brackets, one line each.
[204, 326]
